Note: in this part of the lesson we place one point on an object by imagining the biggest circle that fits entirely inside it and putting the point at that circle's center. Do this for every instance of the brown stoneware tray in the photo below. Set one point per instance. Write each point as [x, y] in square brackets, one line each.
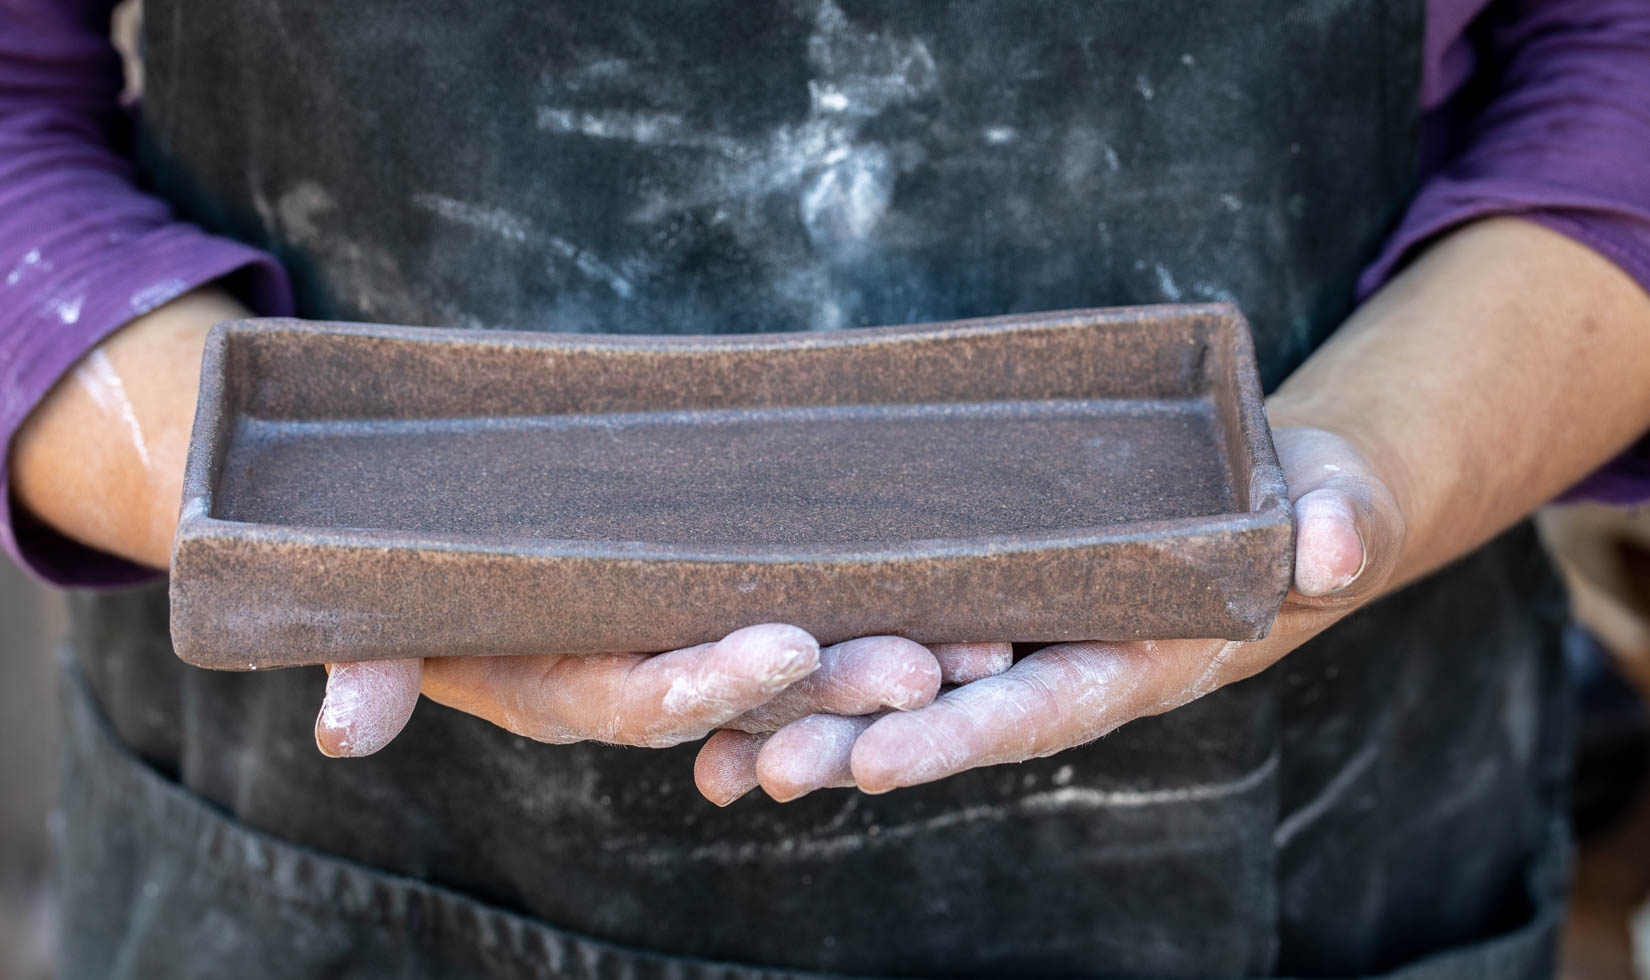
[358, 492]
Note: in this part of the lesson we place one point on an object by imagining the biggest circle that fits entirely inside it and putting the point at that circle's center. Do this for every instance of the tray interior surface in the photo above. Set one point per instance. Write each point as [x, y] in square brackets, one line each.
[798, 476]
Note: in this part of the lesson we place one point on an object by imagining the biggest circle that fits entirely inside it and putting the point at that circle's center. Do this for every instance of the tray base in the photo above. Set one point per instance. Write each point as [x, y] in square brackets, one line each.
[790, 477]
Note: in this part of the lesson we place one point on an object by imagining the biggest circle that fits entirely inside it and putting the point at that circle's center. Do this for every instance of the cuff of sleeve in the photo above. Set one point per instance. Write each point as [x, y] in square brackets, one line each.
[1622, 238]
[89, 304]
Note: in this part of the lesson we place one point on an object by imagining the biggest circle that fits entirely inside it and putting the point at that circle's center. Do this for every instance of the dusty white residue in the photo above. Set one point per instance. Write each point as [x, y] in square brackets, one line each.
[1210, 678]
[1332, 791]
[684, 695]
[827, 99]
[1331, 468]
[1051, 801]
[811, 754]
[1112, 162]
[68, 310]
[97, 376]
[1231, 202]
[997, 135]
[1144, 87]
[840, 182]
[1166, 283]
[366, 274]
[154, 295]
[870, 71]
[299, 209]
[30, 262]
[1188, 60]
[502, 222]
[848, 199]
[612, 124]
[593, 267]
[1062, 776]
[1208, 290]
[830, 316]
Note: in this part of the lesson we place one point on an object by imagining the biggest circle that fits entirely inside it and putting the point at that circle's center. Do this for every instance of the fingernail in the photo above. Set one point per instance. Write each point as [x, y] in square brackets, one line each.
[332, 725]
[1327, 525]
[320, 744]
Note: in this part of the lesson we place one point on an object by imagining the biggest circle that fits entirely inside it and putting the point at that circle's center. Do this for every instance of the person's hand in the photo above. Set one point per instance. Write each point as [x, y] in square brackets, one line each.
[755, 680]
[1349, 531]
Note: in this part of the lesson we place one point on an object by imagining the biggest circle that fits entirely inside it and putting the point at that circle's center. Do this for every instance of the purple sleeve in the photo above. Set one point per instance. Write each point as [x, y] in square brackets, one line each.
[82, 250]
[1561, 138]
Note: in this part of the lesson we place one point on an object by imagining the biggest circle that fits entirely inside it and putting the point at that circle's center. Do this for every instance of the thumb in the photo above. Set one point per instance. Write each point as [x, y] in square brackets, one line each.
[1330, 550]
[366, 705]
[1349, 529]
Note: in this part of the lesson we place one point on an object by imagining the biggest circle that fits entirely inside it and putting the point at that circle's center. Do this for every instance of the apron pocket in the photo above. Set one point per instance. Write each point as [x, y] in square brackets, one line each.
[156, 882]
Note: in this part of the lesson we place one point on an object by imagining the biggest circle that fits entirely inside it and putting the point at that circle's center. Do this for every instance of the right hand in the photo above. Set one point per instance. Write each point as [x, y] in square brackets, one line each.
[752, 683]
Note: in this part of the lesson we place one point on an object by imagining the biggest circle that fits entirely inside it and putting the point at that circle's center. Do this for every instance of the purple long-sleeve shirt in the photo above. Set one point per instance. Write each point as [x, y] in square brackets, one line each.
[1562, 138]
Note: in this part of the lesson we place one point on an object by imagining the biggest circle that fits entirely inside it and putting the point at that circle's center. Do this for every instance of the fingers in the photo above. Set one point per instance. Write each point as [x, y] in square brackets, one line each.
[725, 768]
[1056, 698]
[630, 699]
[965, 663]
[366, 706]
[812, 750]
[811, 754]
[854, 678]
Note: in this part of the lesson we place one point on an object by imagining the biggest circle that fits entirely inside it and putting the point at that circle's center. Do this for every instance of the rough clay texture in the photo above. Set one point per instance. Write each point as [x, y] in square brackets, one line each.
[359, 492]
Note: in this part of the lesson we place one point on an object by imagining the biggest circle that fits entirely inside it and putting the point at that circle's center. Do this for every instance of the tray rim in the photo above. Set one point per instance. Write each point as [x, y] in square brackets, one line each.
[214, 424]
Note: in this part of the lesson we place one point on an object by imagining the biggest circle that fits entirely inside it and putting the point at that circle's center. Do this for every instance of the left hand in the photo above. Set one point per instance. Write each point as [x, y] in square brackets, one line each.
[1349, 532]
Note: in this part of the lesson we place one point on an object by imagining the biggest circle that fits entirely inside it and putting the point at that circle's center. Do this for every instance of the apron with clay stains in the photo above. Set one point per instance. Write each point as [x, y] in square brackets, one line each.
[1385, 802]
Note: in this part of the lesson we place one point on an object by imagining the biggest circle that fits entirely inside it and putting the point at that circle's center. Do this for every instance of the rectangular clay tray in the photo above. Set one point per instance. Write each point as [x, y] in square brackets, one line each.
[357, 492]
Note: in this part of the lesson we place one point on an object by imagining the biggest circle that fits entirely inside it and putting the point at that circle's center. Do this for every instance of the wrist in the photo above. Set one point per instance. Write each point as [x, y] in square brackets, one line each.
[101, 458]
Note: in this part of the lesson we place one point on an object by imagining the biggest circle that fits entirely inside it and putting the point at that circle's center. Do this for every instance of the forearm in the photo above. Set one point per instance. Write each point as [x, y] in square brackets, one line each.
[101, 457]
[1505, 364]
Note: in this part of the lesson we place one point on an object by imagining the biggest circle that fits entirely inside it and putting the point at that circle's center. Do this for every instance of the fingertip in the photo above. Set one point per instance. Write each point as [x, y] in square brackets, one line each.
[918, 674]
[808, 755]
[1330, 553]
[366, 706]
[965, 663]
[725, 769]
[793, 652]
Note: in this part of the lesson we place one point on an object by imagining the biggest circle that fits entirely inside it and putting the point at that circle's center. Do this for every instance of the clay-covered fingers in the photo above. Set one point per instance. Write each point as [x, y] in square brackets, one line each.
[965, 663]
[1059, 697]
[852, 688]
[630, 699]
[856, 677]
[814, 753]
[808, 754]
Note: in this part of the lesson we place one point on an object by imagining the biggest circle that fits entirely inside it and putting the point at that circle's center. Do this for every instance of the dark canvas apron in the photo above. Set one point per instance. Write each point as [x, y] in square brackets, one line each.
[1385, 800]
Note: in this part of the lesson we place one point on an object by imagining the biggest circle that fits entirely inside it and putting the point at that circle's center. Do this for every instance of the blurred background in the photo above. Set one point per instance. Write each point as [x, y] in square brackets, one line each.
[31, 619]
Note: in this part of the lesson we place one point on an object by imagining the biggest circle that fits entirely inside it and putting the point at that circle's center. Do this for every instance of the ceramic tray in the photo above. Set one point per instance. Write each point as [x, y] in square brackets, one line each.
[357, 492]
